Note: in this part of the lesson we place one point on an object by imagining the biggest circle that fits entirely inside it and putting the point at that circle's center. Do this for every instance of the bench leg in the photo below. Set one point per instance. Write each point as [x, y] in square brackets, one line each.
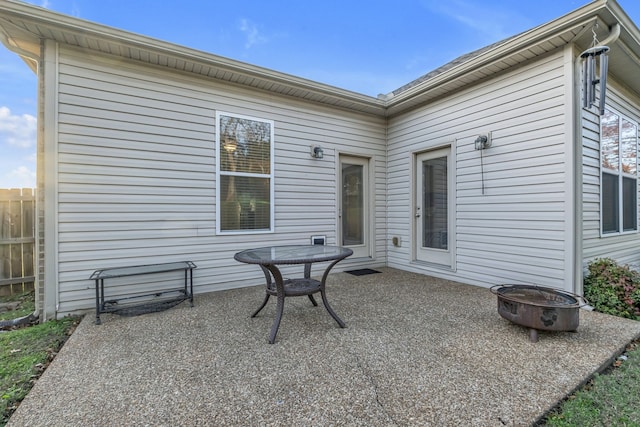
[190, 285]
[97, 302]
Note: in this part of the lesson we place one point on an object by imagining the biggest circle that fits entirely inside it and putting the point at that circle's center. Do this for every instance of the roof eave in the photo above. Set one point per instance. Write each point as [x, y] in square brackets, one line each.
[25, 25]
[557, 29]
[63, 28]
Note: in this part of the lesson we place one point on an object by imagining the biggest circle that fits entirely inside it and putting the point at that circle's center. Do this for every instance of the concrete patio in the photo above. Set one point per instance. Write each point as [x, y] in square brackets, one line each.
[416, 351]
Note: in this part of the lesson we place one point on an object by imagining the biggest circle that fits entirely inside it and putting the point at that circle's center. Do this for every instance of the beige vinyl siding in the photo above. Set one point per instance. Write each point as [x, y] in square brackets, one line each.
[136, 175]
[516, 231]
[623, 248]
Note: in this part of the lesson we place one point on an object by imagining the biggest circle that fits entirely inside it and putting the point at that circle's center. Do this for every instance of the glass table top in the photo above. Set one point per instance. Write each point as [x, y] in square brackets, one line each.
[298, 254]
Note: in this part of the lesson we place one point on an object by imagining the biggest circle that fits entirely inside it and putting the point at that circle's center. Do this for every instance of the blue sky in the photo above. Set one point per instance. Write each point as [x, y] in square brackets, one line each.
[369, 47]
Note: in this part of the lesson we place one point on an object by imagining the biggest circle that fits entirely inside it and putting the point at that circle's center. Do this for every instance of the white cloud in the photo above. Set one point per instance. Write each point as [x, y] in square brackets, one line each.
[20, 177]
[18, 131]
[47, 4]
[251, 32]
[487, 20]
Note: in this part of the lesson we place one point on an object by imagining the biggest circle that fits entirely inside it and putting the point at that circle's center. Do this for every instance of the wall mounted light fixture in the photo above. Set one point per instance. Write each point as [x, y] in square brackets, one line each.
[482, 142]
[316, 152]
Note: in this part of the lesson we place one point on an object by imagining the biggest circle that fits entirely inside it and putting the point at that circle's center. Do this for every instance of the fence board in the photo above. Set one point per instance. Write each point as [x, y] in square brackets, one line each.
[17, 240]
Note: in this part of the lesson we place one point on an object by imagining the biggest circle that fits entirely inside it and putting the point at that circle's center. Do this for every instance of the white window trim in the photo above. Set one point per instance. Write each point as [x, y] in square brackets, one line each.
[271, 176]
[620, 174]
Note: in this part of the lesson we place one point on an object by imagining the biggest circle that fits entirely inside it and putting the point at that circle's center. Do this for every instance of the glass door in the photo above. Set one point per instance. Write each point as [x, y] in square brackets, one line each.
[354, 205]
[433, 207]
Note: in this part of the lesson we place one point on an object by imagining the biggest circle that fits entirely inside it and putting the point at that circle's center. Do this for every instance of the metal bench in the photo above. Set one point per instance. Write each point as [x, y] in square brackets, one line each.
[113, 306]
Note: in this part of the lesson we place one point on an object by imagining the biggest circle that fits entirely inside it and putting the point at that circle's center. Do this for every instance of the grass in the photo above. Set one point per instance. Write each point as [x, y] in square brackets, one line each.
[26, 352]
[609, 399]
[26, 305]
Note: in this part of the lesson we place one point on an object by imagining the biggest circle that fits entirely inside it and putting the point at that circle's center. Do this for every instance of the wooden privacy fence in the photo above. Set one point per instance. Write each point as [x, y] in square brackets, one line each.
[17, 240]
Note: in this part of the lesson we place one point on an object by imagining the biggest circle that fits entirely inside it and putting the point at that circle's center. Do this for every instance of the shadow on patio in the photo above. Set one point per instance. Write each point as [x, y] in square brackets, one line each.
[416, 351]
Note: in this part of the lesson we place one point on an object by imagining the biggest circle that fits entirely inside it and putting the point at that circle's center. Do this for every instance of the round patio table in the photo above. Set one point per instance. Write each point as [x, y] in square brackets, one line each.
[268, 258]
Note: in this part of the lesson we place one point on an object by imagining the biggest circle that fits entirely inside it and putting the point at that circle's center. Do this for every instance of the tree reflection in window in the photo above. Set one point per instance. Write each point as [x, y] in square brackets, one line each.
[629, 145]
[619, 166]
[245, 172]
[609, 140]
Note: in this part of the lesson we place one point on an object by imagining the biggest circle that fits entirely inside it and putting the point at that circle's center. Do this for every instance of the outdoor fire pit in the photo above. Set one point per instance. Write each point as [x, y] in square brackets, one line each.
[538, 308]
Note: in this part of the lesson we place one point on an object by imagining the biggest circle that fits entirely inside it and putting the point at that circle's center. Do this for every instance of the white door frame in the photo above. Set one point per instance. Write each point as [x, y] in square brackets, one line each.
[364, 250]
[442, 258]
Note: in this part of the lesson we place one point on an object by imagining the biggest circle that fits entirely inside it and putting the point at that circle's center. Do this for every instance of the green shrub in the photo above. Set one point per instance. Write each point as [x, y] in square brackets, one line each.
[613, 289]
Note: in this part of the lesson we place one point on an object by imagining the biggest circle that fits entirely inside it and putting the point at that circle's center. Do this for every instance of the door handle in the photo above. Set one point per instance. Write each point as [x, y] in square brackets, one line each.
[417, 212]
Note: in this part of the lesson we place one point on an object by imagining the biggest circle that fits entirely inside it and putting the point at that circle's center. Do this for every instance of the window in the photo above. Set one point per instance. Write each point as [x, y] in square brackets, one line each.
[244, 166]
[619, 166]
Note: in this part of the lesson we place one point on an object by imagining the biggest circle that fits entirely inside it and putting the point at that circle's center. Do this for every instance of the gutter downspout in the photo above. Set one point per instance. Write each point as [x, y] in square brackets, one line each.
[613, 36]
[4, 38]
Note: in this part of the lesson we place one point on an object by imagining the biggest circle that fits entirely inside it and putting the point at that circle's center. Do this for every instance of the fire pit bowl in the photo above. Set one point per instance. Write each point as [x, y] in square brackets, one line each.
[539, 308]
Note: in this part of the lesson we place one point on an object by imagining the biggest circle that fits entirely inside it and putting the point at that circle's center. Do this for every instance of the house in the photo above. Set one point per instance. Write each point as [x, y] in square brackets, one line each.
[488, 170]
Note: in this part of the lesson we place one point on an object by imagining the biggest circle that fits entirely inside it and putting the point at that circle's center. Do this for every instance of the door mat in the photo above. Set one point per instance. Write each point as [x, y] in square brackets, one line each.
[362, 272]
